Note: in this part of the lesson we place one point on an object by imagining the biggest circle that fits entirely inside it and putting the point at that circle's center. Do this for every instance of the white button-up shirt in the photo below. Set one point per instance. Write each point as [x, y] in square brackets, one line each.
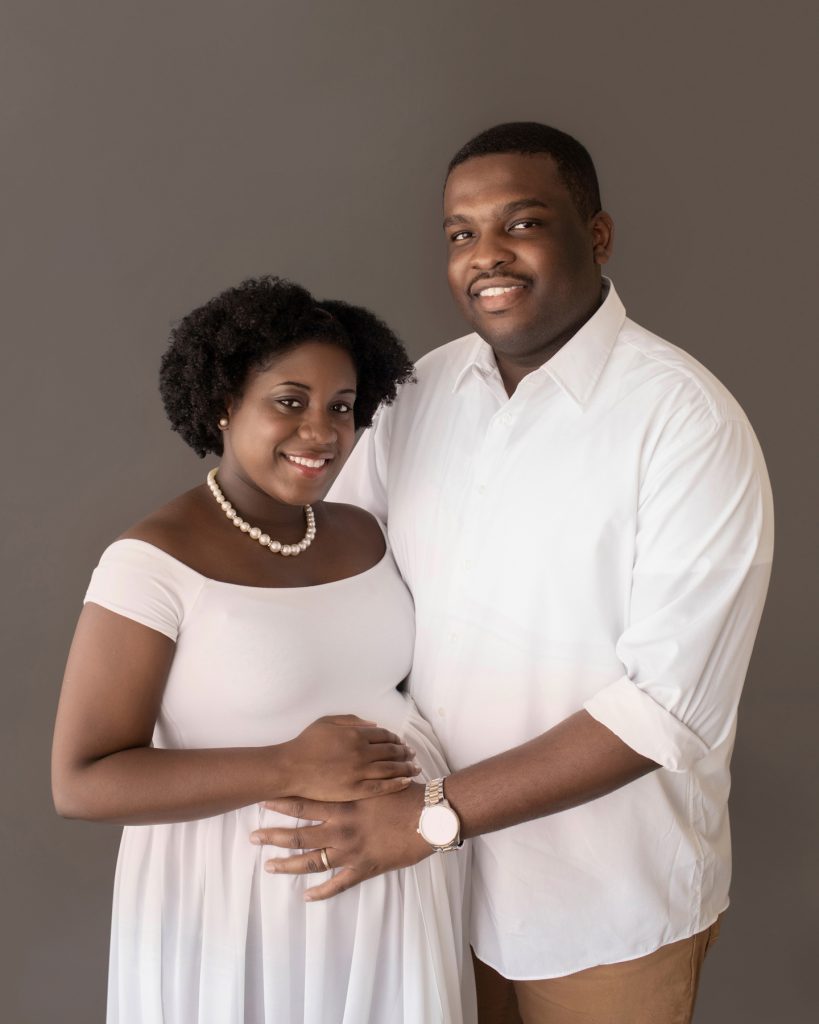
[600, 540]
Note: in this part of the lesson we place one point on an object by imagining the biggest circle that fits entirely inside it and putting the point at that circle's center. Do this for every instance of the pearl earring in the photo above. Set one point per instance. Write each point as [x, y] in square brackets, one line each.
[223, 423]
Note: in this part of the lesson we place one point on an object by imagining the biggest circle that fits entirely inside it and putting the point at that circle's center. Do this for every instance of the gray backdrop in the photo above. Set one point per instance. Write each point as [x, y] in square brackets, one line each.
[155, 153]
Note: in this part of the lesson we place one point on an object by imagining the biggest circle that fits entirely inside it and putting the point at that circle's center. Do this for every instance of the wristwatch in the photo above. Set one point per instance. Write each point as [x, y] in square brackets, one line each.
[439, 825]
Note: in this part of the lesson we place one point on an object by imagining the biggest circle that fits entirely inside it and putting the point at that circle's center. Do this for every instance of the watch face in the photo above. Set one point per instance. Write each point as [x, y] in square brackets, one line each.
[438, 825]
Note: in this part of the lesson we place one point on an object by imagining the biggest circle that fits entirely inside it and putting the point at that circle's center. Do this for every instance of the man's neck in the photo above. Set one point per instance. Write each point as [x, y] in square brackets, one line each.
[513, 370]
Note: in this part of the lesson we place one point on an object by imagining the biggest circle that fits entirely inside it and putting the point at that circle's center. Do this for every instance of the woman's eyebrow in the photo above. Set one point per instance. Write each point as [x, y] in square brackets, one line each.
[306, 387]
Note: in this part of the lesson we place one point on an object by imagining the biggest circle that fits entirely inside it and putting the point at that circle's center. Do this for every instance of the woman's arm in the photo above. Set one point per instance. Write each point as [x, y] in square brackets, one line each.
[104, 768]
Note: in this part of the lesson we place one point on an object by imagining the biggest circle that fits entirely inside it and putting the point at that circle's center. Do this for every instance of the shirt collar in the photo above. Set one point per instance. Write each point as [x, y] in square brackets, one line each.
[480, 362]
[575, 368]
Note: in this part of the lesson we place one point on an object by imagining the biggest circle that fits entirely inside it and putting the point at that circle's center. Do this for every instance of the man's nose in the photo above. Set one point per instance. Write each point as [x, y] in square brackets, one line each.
[491, 250]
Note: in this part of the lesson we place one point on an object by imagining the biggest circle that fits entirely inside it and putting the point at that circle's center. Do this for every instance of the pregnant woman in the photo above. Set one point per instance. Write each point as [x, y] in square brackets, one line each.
[242, 643]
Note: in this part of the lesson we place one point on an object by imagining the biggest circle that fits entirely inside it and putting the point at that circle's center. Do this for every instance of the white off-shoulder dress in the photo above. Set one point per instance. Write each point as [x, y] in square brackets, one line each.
[201, 934]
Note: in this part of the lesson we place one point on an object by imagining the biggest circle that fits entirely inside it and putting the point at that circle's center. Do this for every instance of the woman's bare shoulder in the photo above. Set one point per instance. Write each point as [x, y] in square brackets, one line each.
[360, 528]
[171, 527]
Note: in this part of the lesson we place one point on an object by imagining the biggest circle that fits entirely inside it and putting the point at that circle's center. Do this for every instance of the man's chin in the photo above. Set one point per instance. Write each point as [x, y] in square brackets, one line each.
[502, 334]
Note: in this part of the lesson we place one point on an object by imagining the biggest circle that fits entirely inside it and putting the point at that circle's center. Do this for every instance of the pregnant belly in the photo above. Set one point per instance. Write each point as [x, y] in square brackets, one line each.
[399, 714]
[198, 725]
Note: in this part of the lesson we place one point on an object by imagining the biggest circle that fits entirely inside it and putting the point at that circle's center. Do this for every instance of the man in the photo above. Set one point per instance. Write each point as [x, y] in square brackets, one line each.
[583, 515]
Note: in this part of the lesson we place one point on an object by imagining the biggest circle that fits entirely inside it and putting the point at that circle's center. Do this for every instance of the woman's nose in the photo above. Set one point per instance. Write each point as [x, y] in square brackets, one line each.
[318, 426]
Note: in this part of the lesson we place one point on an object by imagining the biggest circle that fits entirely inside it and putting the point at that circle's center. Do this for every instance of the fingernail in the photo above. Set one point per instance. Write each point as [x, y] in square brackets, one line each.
[271, 867]
[308, 898]
[256, 838]
[411, 751]
[416, 766]
[405, 781]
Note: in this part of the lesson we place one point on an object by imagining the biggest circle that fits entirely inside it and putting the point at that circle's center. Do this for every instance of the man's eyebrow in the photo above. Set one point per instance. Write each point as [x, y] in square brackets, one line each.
[505, 211]
[523, 204]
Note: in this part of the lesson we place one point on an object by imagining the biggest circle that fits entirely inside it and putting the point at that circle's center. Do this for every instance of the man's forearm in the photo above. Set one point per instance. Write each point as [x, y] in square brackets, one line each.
[576, 761]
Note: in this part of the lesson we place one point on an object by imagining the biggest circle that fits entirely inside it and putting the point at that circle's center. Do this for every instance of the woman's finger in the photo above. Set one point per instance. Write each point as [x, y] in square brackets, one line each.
[379, 735]
[381, 787]
[348, 720]
[390, 752]
[294, 807]
[391, 769]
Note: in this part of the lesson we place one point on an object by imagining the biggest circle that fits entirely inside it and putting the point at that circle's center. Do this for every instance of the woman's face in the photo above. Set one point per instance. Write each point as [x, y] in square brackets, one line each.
[292, 429]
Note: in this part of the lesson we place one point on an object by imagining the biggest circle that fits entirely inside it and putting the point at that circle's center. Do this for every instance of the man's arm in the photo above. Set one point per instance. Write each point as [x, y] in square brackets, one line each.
[576, 761]
[703, 554]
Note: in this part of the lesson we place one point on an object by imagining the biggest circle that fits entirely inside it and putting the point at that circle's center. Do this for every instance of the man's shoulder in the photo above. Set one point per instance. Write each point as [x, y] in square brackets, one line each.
[670, 368]
[436, 374]
[447, 361]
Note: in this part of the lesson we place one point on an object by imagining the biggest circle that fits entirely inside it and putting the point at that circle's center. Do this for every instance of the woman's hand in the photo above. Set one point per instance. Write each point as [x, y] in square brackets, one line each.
[105, 768]
[343, 757]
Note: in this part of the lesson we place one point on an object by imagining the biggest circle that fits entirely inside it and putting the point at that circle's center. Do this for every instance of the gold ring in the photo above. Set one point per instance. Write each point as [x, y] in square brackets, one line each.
[324, 861]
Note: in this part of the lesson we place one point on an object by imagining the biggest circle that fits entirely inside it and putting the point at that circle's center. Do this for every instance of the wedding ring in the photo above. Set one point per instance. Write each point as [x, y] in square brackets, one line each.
[324, 861]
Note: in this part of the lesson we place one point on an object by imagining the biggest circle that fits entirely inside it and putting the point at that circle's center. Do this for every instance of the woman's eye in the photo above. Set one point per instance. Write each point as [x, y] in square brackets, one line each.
[290, 403]
[343, 407]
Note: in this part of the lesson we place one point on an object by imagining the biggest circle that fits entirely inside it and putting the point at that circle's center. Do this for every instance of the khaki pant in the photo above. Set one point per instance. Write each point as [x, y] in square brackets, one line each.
[656, 989]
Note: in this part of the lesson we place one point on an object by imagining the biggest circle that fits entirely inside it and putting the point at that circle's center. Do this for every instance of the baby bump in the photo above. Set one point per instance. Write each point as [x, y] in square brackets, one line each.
[397, 712]
[394, 711]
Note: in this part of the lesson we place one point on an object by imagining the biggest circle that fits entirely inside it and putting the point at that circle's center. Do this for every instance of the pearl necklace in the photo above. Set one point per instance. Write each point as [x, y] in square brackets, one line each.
[254, 532]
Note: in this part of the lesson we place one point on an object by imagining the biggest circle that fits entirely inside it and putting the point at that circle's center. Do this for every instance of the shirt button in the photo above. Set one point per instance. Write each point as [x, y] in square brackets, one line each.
[453, 637]
[468, 563]
[481, 488]
[442, 712]
[506, 419]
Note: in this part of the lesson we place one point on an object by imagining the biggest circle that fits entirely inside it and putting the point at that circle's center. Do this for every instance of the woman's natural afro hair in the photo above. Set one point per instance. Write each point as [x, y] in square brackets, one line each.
[214, 348]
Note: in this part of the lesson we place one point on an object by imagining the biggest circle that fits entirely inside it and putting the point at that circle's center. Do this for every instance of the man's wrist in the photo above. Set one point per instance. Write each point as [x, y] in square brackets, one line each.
[438, 823]
[414, 795]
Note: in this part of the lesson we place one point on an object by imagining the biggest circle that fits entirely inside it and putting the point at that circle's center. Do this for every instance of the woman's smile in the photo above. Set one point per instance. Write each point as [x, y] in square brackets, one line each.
[310, 466]
[299, 408]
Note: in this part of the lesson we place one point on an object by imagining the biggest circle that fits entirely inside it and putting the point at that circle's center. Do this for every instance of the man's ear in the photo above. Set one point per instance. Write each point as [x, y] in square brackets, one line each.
[602, 233]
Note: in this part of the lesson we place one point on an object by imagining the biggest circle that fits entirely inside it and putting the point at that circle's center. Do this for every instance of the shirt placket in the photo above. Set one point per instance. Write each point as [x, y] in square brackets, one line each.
[476, 533]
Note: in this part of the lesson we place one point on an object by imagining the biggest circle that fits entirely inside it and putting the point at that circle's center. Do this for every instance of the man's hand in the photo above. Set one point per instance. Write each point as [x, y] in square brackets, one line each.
[361, 839]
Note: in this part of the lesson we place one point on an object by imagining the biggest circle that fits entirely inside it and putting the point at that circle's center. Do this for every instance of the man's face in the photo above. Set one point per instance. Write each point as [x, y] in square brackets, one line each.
[524, 265]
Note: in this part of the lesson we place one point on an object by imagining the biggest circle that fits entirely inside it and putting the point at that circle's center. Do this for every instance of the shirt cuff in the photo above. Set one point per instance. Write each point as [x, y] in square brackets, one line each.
[645, 725]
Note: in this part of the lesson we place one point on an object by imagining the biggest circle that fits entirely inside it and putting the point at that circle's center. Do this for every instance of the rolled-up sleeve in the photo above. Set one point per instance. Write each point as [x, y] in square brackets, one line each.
[702, 562]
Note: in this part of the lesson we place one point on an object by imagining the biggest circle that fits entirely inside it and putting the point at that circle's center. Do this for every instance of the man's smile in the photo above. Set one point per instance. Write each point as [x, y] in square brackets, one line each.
[496, 295]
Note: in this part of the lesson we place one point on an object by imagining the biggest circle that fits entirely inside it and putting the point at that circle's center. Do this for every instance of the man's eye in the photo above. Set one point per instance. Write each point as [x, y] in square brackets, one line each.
[523, 224]
[459, 236]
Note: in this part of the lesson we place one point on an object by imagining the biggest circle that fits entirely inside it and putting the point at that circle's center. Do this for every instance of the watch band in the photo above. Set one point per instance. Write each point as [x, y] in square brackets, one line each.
[434, 796]
[434, 793]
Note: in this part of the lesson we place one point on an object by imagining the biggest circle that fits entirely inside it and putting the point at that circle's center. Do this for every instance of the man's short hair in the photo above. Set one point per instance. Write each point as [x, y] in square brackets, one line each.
[573, 162]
